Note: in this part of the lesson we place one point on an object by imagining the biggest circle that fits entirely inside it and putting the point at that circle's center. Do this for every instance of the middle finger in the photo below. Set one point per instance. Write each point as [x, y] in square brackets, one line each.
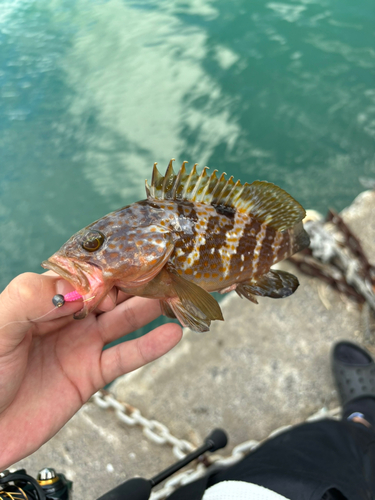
[127, 317]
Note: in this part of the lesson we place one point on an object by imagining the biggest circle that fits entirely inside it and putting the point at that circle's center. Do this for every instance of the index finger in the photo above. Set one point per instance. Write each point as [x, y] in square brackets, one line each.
[128, 317]
[28, 299]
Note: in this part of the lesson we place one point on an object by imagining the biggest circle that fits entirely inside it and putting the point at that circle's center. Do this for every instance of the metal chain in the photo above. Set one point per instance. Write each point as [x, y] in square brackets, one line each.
[158, 433]
[152, 429]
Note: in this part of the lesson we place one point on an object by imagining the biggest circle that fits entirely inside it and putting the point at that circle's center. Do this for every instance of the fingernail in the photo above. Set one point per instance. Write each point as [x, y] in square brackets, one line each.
[63, 287]
[115, 293]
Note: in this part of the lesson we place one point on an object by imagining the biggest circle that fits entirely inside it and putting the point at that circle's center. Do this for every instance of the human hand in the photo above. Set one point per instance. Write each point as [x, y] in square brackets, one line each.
[51, 366]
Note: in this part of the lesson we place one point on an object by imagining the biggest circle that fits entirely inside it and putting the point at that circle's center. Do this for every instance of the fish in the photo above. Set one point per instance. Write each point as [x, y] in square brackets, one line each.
[194, 234]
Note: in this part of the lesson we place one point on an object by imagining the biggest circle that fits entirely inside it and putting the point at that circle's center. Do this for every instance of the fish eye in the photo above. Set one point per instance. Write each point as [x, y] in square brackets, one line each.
[93, 241]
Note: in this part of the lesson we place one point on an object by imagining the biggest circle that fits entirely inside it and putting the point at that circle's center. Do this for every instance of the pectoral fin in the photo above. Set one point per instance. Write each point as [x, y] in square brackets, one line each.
[187, 314]
[192, 306]
[274, 284]
[166, 309]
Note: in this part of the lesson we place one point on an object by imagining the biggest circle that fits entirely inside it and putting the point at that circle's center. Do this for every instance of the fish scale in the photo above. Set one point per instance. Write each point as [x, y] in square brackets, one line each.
[194, 234]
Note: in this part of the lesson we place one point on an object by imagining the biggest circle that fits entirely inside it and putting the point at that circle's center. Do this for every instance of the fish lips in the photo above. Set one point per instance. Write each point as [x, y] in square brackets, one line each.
[86, 278]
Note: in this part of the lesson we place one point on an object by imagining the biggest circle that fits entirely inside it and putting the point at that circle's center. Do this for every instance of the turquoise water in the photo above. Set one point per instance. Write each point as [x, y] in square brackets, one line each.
[93, 92]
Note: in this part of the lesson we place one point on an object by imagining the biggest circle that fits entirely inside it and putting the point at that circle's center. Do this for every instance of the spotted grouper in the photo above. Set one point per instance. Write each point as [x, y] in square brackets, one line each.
[194, 234]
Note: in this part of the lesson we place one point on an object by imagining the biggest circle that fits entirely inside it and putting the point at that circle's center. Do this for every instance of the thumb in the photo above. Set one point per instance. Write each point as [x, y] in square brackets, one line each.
[27, 299]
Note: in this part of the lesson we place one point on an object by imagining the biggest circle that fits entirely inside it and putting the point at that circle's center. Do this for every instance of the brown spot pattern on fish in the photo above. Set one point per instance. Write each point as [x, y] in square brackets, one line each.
[194, 234]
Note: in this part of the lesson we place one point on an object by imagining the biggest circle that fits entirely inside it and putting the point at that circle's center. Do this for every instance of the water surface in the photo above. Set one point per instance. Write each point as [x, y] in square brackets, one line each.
[93, 92]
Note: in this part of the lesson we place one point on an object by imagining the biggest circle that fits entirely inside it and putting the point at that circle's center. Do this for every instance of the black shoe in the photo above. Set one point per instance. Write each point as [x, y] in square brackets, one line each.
[354, 373]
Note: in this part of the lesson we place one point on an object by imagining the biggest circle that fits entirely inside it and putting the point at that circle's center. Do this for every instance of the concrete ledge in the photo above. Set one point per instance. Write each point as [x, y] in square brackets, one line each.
[264, 367]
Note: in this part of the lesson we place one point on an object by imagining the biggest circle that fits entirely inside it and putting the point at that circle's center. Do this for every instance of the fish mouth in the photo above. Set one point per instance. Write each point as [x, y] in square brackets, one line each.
[86, 279]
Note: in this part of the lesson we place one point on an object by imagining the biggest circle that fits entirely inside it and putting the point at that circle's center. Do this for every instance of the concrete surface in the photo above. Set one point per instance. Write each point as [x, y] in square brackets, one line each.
[264, 367]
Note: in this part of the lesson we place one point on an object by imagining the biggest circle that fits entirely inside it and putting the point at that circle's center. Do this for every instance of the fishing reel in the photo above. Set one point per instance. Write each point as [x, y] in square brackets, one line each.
[52, 486]
[48, 486]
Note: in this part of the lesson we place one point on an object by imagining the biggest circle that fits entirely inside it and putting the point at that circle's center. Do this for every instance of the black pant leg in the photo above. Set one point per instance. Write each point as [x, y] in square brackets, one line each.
[308, 460]
[304, 463]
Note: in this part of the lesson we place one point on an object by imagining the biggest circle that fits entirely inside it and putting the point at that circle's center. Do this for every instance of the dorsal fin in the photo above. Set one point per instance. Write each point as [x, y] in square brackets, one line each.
[265, 201]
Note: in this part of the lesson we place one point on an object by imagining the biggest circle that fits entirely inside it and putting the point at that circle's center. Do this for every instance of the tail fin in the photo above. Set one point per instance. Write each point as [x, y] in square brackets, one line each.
[299, 237]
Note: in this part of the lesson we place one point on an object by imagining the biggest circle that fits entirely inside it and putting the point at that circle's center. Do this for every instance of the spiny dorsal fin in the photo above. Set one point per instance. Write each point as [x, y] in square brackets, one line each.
[265, 201]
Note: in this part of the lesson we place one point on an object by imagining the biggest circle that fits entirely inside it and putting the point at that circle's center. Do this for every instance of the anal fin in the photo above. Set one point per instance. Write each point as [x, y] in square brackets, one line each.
[243, 290]
[274, 284]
